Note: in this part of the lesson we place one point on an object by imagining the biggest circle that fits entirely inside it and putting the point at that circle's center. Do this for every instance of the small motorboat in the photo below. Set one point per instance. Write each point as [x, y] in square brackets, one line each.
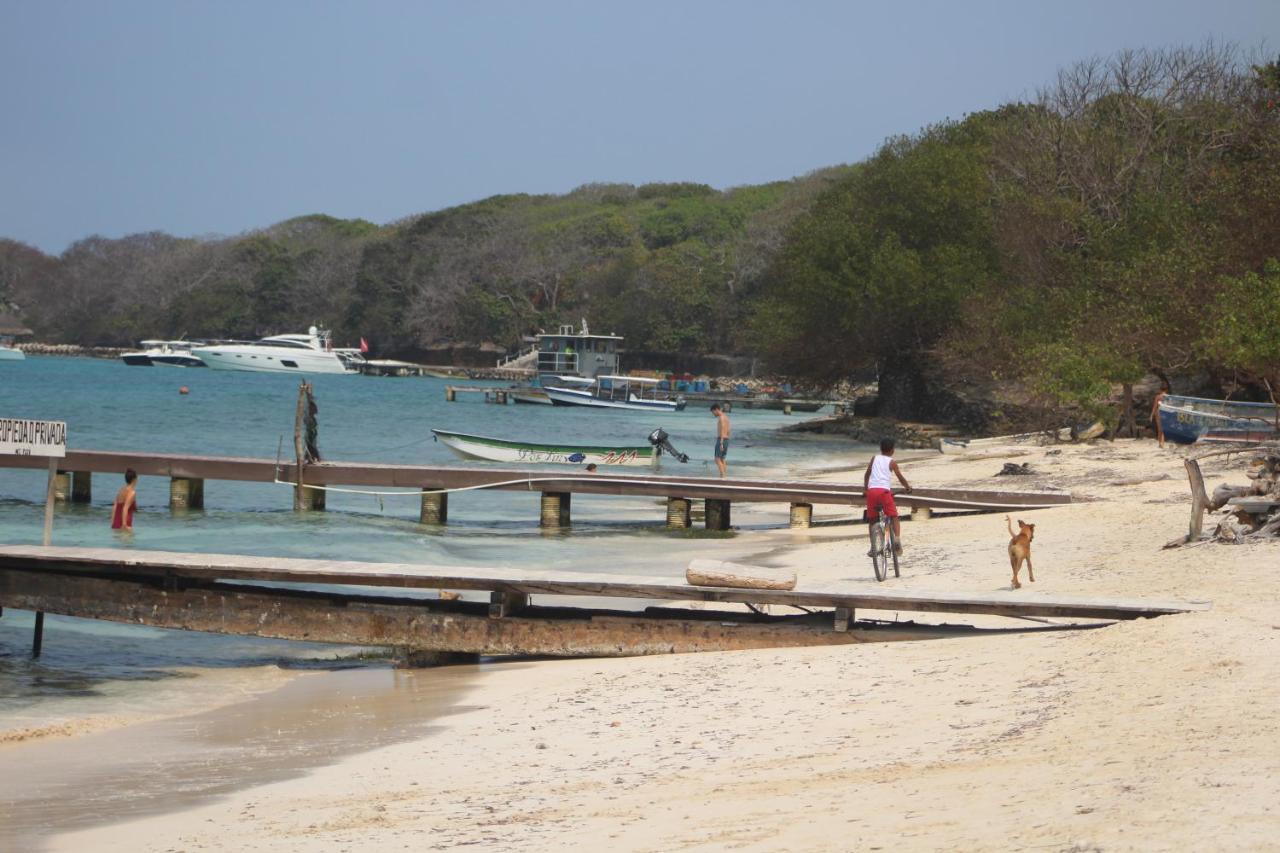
[636, 393]
[508, 450]
[163, 354]
[8, 352]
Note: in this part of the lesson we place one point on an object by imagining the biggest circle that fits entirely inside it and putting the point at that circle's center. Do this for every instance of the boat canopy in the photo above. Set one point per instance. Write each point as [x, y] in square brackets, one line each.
[639, 380]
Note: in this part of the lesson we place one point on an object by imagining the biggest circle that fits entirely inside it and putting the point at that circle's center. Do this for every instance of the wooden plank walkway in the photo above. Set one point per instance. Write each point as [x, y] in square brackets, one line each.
[383, 475]
[122, 563]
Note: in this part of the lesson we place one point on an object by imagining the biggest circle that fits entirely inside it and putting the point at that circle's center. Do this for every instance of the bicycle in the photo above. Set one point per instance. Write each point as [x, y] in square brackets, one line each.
[884, 546]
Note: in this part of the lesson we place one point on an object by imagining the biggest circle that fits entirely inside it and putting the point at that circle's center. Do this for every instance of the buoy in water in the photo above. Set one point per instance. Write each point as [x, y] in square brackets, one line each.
[184, 390]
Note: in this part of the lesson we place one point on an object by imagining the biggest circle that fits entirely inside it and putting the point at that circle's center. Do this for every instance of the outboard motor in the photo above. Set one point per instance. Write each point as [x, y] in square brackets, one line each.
[659, 439]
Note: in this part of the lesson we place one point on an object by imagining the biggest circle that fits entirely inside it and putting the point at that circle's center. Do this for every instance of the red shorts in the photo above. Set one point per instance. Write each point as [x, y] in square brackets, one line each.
[877, 498]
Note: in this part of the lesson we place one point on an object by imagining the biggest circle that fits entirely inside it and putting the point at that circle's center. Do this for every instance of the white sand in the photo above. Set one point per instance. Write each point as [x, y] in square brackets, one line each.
[1157, 734]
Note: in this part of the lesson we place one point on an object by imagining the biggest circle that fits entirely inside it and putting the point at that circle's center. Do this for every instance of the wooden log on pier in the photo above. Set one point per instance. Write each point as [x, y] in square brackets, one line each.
[738, 576]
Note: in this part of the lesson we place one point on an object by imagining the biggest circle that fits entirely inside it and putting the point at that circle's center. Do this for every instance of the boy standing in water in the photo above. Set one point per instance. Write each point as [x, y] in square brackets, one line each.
[126, 503]
[722, 437]
[879, 487]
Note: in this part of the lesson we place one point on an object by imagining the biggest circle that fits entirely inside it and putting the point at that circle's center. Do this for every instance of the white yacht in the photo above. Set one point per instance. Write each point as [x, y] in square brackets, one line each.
[163, 354]
[310, 353]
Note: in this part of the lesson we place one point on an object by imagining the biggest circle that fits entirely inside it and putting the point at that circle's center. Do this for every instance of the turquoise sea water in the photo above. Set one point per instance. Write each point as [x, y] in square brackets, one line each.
[110, 406]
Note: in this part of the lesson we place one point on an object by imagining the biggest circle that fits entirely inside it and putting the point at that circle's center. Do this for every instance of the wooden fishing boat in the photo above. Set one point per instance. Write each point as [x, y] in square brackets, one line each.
[963, 445]
[1186, 420]
[504, 450]
[634, 393]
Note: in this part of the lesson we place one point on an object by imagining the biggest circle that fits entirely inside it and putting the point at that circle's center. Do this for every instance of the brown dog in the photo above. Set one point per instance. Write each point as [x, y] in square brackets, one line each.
[1020, 549]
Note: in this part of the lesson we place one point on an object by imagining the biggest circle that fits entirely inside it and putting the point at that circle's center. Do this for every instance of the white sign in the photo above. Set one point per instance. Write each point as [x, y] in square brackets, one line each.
[33, 438]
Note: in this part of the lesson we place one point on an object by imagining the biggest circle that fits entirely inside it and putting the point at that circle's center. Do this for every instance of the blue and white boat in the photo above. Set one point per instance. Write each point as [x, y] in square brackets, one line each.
[634, 393]
[1186, 420]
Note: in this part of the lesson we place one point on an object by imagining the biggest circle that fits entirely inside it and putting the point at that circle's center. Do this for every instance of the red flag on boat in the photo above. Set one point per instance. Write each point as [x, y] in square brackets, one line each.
[364, 345]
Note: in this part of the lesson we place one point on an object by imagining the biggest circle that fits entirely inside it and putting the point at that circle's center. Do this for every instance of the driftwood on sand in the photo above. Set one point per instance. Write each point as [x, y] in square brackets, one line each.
[721, 573]
[1253, 508]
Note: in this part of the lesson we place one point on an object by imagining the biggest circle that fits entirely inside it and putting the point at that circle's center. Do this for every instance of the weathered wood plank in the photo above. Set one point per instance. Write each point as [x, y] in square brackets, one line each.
[722, 573]
[418, 625]
[407, 575]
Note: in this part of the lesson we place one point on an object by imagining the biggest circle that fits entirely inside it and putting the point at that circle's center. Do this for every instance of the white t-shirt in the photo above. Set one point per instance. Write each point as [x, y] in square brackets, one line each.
[880, 474]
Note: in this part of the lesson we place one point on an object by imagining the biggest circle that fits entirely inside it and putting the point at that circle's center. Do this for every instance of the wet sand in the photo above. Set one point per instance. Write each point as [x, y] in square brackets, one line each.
[56, 785]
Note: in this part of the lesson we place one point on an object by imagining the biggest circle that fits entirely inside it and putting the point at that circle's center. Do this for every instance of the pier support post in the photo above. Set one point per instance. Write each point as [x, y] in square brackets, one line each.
[786, 408]
[307, 498]
[678, 513]
[449, 394]
[842, 617]
[801, 516]
[37, 635]
[555, 509]
[81, 487]
[62, 487]
[506, 604]
[186, 493]
[921, 513]
[435, 508]
[717, 514]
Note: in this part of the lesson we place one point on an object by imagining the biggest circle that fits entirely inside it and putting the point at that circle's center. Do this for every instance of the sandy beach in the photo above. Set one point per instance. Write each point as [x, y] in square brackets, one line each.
[1156, 734]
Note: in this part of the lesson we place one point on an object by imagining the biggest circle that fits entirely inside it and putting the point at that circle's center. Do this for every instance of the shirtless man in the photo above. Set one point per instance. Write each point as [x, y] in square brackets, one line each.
[722, 436]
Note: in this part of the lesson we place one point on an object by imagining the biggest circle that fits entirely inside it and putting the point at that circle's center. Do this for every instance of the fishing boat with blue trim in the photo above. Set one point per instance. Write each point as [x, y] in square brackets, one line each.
[634, 393]
[1186, 420]
[507, 450]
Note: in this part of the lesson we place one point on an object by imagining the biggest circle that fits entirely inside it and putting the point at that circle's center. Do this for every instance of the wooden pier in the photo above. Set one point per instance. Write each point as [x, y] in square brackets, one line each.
[220, 593]
[187, 475]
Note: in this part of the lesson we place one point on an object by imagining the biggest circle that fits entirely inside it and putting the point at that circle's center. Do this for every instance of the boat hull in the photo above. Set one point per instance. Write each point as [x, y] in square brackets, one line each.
[250, 359]
[1186, 420]
[585, 399]
[10, 354]
[502, 450]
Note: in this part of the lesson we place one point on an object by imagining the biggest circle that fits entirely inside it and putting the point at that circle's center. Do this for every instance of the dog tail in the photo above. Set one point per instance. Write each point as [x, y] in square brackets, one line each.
[1009, 524]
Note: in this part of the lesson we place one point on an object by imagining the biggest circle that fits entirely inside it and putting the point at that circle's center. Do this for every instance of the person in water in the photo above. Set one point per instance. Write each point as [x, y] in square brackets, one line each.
[126, 502]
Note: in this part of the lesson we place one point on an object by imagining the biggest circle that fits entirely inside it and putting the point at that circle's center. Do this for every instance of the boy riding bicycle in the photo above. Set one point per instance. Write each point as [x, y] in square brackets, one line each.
[879, 488]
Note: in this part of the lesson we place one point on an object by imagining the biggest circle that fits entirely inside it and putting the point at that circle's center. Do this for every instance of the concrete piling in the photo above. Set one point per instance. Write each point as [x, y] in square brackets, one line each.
[307, 498]
[435, 508]
[921, 513]
[555, 509]
[679, 513]
[81, 487]
[717, 514]
[801, 515]
[186, 493]
[62, 486]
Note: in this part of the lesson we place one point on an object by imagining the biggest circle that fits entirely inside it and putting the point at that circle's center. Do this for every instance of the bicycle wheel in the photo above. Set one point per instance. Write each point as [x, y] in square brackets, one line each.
[891, 549]
[878, 564]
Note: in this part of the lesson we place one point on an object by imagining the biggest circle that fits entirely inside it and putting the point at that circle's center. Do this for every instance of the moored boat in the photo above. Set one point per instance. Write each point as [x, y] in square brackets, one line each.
[8, 352]
[505, 450]
[163, 354]
[633, 393]
[1186, 420]
[310, 353]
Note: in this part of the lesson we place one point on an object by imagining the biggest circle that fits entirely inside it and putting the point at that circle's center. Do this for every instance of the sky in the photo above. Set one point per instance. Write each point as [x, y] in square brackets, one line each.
[216, 118]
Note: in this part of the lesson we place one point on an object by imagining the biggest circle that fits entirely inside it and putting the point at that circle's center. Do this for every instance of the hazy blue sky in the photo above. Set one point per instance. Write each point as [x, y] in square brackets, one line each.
[220, 117]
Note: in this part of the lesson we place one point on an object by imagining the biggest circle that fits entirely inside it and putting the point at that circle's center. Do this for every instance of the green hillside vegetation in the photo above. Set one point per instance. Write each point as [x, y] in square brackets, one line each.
[1125, 220]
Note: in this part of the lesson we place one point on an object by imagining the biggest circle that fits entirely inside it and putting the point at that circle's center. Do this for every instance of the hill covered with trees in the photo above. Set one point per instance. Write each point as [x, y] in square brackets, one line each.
[1126, 220]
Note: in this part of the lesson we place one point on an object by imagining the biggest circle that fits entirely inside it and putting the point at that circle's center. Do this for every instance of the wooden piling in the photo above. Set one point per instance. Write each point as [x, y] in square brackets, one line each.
[62, 486]
[801, 515]
[186, 493]
[921, 513]
[81, 487]
[37, 635]
[450, 395]
[435, 508]
[786, 408]
[555, 509]
[716, 515]
[679, 515]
